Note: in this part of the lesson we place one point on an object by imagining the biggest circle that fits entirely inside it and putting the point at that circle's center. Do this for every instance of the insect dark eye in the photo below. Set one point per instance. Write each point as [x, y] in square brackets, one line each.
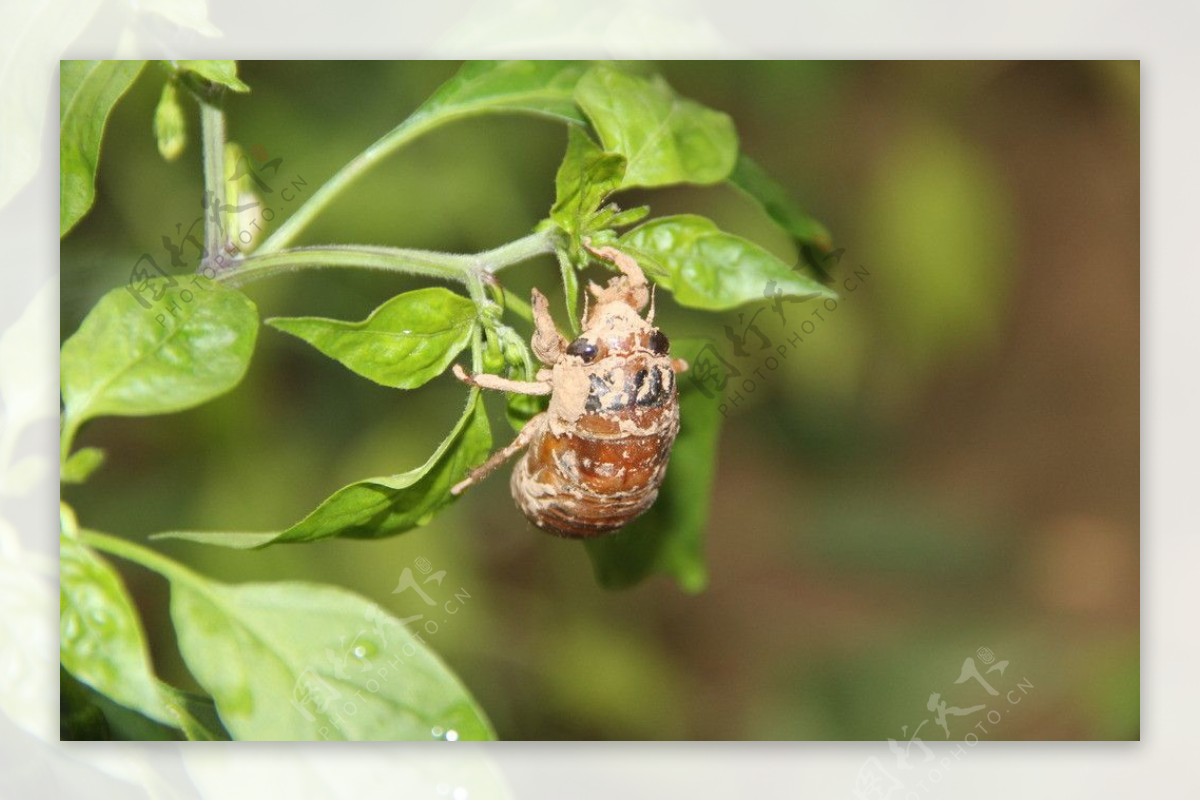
[659, 343]
[583, 349]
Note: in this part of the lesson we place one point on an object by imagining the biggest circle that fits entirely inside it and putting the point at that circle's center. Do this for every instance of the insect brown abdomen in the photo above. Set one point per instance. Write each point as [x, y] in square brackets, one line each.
[586, 484]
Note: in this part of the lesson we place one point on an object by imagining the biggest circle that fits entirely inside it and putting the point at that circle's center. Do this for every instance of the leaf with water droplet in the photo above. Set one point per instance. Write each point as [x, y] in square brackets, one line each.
[406, 342]
[296, 661]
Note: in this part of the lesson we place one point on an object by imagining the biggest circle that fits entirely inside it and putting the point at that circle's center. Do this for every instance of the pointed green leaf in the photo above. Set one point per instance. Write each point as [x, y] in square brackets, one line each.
[297, 661]
[223, 73]
[383, 506]
[626, 217]
[101, 639]
[779, 205]
[404, 343]
[127, 360]
[586, 176]
[545, 88]
[669, 538]
[665, 139]
[706, 268]
[88, 90]
[80, 465]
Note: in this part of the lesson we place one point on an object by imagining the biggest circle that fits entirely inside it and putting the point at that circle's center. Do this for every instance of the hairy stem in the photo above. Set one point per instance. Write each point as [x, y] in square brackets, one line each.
[212, 132]
[464, 268]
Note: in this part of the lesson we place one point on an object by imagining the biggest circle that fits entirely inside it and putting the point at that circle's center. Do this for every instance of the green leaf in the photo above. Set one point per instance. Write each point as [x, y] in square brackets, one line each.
[101, 639]
[407, 341]
[749, 177]
[196, 714]
[384, 506]
[586, 176]
[223, 73]
[298, 661]
[669, 537]
[665, 139]
[170, 126]
[88, 91]
[125, 360]
[707, 268]
[626, 217]
[80, 465]
[544, 88]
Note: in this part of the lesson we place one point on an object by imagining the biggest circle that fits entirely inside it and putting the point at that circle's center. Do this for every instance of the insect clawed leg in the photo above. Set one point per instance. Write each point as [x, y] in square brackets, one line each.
[630, 286]
[547, 343]
[679, 365]
[501, 456]
[489, 381]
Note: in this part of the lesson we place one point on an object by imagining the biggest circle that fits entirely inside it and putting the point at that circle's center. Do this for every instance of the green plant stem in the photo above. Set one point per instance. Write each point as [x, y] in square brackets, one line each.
[151, 560]
[212, 134]
[463, 268]
[390, 142]
[518, 307]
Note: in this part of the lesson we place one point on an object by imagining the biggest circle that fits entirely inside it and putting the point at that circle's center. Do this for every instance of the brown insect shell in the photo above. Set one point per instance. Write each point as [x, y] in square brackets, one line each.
[593, 471]
[623, 341]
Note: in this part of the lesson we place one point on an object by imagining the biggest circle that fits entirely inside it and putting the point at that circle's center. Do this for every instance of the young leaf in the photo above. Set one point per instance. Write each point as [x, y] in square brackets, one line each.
[170, 125]
[404, 343]
[80, 465]
[669, 537]
[545, 88]
[127, 360]
[706, 268]
[296, 661]
[586, 176]
[384, 506]
[223, 73]
[101, 639]
[779, 205]
[664, 138]
[88, 91]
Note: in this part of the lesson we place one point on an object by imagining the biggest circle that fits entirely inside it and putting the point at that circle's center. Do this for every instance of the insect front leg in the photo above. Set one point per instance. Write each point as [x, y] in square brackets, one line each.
[630, 286]
[679, 365]
[501, 456]
[547, 343]
[489, 381]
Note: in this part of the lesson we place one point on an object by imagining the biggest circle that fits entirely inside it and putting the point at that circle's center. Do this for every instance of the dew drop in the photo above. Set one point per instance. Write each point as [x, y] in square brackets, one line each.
[437, 731]
[451, 735]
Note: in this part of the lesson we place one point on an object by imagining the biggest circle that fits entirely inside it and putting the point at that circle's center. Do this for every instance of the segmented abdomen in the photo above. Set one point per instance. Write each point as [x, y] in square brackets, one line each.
[584, 485]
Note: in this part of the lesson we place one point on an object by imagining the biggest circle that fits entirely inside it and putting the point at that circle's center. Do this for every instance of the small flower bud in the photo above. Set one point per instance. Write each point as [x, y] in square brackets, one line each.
[170, 126]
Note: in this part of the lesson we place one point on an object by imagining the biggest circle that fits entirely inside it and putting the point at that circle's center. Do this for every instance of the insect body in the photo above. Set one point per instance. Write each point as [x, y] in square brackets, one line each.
[597, 456]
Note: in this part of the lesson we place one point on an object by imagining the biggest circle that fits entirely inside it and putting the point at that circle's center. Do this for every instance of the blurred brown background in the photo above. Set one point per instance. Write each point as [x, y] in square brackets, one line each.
[945, 469]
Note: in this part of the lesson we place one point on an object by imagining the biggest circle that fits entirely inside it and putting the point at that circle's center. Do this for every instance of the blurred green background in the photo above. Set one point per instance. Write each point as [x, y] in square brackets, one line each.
[948, 462]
